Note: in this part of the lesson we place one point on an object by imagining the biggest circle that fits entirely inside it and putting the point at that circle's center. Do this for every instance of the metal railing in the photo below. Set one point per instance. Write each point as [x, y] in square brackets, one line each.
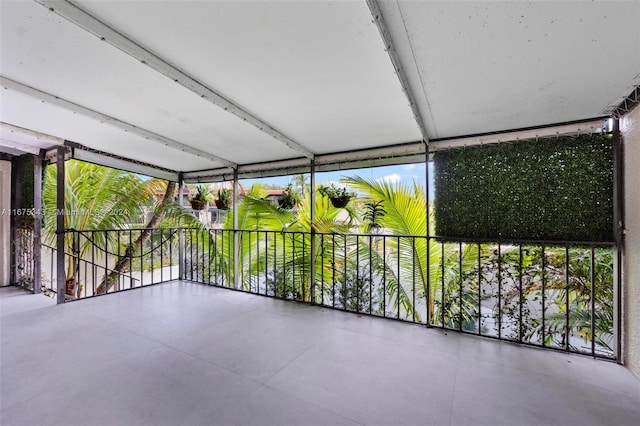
[555, 294]
[108, 261]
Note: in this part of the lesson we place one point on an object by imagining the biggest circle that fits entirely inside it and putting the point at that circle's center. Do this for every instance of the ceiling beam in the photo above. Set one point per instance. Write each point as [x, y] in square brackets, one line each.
[79, 17]
[412, 152]
[376, 13]
[626, 105]
[114, 161]
[27, 149]
[597, 125]
[127, 127]
[7, 129]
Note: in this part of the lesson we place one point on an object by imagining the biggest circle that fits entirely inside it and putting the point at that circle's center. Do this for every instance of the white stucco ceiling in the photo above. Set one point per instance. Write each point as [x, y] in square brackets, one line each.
[481, 67]
[317, 73]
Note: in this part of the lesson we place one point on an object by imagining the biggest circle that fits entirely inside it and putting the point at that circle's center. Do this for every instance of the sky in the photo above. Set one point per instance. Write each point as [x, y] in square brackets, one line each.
[406, 173]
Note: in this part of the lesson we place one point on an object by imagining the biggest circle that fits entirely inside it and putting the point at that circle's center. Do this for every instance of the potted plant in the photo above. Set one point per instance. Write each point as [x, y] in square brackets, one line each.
[288, 199]
[339, 196]
[223, 202]
[201, 198]
[373, 214]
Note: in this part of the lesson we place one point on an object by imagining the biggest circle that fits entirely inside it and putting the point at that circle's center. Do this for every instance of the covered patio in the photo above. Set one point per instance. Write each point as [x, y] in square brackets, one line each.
[186, 354]
[262, 326]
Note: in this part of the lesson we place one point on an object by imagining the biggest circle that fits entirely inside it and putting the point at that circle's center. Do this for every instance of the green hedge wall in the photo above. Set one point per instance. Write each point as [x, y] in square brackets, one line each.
[551, 189]
[24, 170]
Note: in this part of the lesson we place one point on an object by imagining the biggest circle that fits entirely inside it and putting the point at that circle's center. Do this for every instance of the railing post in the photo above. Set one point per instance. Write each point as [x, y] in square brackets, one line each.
[312, 246]
[60, 231]
[37, 222]
[235, 229]
[180, 231]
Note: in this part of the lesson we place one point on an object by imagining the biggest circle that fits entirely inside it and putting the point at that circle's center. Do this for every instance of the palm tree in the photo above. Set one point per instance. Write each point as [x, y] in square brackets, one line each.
[97, 199]
[283, 252]
[405, 216]
[299, 182]
[164, 210]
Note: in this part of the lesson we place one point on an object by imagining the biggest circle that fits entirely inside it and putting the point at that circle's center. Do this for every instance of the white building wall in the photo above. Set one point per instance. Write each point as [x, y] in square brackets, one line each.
[5, 235]
[630, 127]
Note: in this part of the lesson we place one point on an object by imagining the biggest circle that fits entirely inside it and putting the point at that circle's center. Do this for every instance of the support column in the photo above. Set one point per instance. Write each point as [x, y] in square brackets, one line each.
[60, 215]
[236, 252]
[428, 232]
[630, 128]
[13, 227]
[180, 231]
[618, 226]
[6, 220]
[312, 200]
[37, 222]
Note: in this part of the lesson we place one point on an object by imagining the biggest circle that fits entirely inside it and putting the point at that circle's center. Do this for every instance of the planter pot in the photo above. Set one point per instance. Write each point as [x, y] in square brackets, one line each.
[199, 205]
[340, 202]
[221, 205]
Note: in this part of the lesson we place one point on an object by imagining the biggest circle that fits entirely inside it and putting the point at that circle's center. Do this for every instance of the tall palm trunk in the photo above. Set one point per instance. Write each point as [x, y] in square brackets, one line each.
[135, 248]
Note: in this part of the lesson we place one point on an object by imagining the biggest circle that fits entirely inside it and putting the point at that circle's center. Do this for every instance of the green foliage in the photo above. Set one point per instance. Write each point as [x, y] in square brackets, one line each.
[96, 198]
[24, 169]
[100, 198]
[289, 198]
[288, 275]
[225, 196]
[339, 197]
[405, 214]
[373, 214]
[580, 303]
[202, 193]
[354, 288]
[475, 287]
[553, 189]
[528, 277]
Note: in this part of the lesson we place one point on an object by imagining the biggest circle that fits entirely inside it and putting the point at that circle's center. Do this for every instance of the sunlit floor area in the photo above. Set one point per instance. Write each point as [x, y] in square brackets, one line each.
[187, 354]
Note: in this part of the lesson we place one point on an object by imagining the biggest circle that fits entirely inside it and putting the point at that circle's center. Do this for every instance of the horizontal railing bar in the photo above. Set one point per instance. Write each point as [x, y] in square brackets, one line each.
[471, 240]
[451, 239]
[133, 229]
[523, 242]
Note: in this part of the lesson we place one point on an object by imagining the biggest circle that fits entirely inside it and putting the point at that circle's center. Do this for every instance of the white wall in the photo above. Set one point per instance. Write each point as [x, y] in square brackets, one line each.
[5, 236]
[630, 127]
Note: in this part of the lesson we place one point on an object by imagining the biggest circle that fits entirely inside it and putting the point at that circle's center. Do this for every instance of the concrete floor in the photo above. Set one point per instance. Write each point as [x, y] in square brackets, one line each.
[187, 354]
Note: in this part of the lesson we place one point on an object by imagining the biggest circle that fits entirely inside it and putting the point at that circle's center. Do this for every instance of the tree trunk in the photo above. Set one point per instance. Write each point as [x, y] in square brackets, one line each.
[135, 248]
